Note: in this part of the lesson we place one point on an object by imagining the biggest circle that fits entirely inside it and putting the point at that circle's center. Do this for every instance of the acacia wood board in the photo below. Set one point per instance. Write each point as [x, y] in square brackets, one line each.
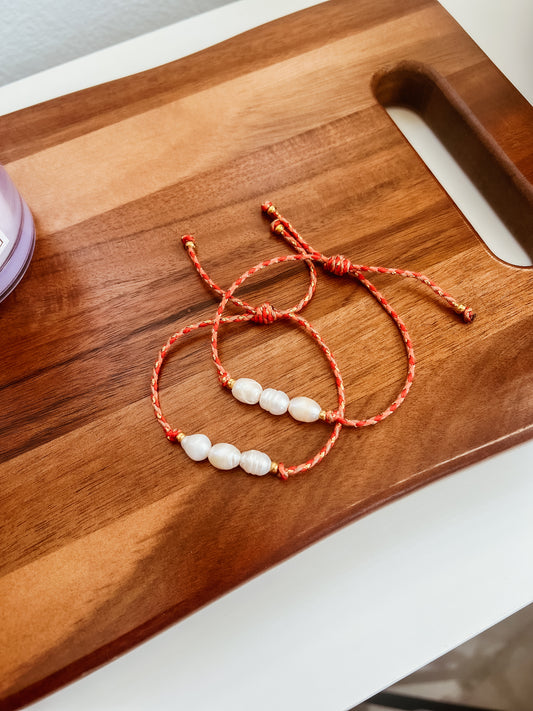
[108, 532]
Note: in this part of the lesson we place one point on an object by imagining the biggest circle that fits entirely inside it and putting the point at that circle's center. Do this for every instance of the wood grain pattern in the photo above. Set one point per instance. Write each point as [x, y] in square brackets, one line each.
[108, 533]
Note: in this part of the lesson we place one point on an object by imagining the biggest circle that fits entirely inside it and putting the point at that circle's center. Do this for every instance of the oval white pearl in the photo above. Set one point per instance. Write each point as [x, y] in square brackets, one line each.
[247, 390]
[304, 409]
[274, 401]
[255, 462]
[224, 456]
[196, 446]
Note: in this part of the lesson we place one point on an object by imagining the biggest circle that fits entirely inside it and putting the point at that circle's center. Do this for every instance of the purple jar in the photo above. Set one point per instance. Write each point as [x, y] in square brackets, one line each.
[17, 235]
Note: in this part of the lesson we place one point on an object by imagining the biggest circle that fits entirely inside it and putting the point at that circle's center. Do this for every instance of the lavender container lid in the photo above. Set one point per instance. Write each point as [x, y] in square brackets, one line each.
[17, 235]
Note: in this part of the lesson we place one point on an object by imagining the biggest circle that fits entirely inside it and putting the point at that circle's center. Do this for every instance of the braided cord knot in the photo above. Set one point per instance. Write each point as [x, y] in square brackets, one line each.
[277, 227]
[188, 241]
[282, 472]
[338, 265]
[269, 209]
[266, 313]
[468, 315]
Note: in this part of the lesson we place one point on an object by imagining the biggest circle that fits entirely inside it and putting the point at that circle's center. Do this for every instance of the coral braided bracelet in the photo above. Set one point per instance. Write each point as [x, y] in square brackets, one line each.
[225, 456]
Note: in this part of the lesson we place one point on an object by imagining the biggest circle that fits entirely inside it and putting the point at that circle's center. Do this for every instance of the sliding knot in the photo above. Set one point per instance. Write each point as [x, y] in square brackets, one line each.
[338, 265]
[266, 313]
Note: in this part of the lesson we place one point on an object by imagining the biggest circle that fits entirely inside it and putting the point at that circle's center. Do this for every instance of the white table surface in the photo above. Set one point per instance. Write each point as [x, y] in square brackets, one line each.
[377, 600]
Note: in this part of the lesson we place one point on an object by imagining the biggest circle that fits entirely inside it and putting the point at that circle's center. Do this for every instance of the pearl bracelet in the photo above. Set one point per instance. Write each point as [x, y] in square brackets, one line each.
[225, 456]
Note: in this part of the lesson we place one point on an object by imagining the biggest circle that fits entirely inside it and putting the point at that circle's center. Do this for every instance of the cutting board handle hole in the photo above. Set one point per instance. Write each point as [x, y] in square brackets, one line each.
[466, 160]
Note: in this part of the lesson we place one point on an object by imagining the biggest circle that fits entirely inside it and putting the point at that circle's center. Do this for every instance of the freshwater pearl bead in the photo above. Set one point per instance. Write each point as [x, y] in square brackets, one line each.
[247, 390]
[196, 446]
[274, 401]
[255, 462]
[224, 456]
[304, 409]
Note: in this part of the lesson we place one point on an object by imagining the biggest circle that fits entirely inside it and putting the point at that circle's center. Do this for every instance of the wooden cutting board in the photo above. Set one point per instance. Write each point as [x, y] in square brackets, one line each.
[109, 533]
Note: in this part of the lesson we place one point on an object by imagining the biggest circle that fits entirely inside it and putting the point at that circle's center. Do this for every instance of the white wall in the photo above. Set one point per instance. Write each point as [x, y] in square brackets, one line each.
[38, 34]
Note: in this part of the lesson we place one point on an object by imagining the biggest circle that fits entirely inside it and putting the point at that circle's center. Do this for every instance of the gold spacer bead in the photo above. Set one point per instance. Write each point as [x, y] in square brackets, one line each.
[274, 468]
[181, 436]
[278, 229]
[272, 210]
[461, 308]
[230, 383]
[322, 415]
[189, 245]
